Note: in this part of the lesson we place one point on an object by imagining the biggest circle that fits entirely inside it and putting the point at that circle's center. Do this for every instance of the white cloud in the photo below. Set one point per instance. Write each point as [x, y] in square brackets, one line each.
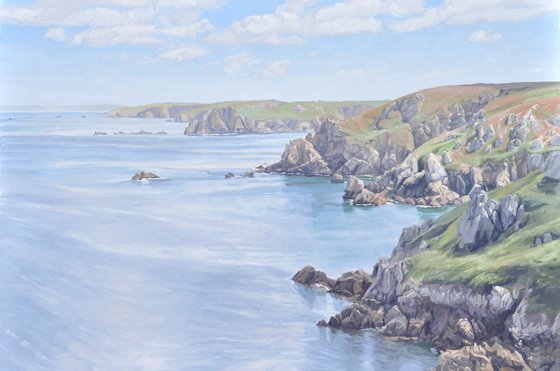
[296, 20]
[100, 23]
[277, 68]
[462, 12]
[56, 34]
[234, 64]
[183, 53]
[313, 53]
[483, 36]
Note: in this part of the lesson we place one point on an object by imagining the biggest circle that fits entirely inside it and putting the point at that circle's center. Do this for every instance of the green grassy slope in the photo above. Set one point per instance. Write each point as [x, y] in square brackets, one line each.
[513, 259]
[259, 110]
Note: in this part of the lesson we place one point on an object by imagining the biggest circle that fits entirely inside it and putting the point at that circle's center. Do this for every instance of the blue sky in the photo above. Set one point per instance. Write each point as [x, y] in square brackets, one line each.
[66, 52]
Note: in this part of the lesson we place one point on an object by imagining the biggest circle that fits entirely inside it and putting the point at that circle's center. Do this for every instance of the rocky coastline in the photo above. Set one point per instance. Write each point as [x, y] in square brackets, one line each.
[497, 312]
[482, 328]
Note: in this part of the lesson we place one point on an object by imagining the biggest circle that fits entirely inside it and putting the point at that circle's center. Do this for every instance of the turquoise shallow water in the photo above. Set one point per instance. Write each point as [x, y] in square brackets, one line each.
[188, 272]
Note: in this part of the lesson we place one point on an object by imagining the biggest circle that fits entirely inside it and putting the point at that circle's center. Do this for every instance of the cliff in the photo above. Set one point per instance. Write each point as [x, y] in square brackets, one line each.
[480, 284]
[430, 148]
[243, 117]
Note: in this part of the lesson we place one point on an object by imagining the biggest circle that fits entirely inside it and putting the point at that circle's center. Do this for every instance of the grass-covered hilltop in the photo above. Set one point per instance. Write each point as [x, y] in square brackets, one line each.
[244, 117]
[481, 283]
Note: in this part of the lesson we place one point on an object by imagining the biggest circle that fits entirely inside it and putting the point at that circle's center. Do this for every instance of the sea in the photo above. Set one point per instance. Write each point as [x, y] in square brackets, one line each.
[191, 271]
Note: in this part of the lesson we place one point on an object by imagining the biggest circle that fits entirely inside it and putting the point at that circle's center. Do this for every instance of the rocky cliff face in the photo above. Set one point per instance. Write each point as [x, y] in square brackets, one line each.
[489, 327]
[221, 121]
[345, 157]
[430, 150]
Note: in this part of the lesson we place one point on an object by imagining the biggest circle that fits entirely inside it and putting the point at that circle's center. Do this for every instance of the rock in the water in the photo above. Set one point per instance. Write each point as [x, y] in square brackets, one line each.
[300, 157]
[354, 187]
[308, 275]
[249, 174]
[352, 284]
[144, 175]
[229, 175]
[356, 317]
[396, 322]
[337, 178]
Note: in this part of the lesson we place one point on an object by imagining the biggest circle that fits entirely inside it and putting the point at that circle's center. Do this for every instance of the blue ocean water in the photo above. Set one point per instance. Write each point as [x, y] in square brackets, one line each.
[188, 272]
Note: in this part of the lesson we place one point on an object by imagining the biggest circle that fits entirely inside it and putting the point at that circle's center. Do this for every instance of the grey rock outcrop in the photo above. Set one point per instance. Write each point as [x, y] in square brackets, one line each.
[354, 187]
[352, 284]
[490, 355]
[552, 165]
[300, 157]
[309, 276]
[487, 219]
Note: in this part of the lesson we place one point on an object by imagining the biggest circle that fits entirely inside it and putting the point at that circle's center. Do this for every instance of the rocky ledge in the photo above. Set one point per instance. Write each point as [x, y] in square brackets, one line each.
[486, 328]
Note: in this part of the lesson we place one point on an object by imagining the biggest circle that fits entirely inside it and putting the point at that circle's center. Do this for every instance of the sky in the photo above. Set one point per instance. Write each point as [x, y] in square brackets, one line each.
[128, 52]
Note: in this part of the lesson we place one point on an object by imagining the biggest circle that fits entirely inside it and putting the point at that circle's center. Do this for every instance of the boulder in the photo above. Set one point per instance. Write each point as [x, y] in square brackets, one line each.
[356, 317]
[396, 322]
[354, 187]
[490, 355]
[308, 276]
[352, 284]
[337, 178]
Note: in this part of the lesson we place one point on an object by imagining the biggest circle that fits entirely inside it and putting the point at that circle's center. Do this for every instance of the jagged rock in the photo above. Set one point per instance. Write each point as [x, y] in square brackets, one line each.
[511, 119]
[396, 322]
[446, 158]
[463, 179]
[408, 242]
[249, 174]
[389, 281]
[545, 238]
[434, 170]
[357, 317]
[551, 166]
[229, 175]
[144, 175]
[475, 141]
[495, 175]
[354, 187]
[308, 275]
[499, 141]
[300, 157]
[518, 136]
[337, 178]
[357, 167]
[486, 219]
[366, 197]
[554, 141]
[536, 144]
[489, 355]
[352, 284]
[509, 211]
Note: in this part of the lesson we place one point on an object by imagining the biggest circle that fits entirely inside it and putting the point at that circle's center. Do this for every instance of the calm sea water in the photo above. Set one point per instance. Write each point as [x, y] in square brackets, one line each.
[188, 272]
